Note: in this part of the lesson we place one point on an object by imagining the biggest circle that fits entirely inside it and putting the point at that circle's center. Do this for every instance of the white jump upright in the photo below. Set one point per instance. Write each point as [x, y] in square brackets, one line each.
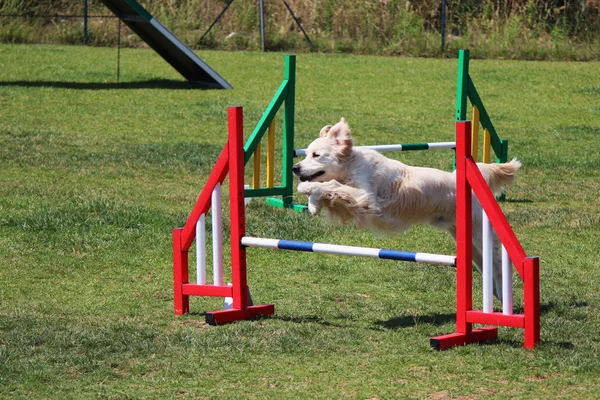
[488, 267]
[201, 250]
[507, 289]
[217, 236]
[487, 250]
[217, 241]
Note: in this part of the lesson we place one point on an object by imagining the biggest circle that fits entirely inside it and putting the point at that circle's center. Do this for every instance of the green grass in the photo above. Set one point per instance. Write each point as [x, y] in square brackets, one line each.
[94, 175]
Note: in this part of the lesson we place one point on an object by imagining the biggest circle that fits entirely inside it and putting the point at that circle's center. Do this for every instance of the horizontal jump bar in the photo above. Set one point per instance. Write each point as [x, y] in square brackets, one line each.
[348, 250]
[397, 147]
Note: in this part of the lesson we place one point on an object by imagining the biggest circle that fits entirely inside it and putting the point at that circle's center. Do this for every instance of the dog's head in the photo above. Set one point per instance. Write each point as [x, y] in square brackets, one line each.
[326, 155]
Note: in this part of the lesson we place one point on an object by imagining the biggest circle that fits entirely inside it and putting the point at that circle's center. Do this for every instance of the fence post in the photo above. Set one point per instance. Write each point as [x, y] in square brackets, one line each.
[85, 21]
[261, 19]
[443, 25]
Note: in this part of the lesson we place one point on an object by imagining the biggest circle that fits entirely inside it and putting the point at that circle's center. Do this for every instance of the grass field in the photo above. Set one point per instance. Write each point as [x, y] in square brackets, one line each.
[95, 174]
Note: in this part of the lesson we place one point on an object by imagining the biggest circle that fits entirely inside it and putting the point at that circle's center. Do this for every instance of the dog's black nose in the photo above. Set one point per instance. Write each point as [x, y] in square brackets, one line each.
[296, 169]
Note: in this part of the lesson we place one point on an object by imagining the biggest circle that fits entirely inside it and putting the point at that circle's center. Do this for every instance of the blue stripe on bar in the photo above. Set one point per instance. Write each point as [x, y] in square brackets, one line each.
[397, 255]
[293, 245]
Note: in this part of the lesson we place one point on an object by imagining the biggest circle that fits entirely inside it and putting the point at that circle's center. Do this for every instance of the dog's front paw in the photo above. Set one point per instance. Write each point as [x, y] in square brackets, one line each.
[314, 205]
[306, 188]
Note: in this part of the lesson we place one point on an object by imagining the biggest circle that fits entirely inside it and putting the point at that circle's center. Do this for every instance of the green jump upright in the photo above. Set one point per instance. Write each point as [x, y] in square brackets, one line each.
[465, 92]
[284, 97]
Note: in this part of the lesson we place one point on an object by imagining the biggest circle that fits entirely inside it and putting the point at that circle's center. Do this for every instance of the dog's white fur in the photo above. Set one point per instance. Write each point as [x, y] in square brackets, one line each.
[385, 195]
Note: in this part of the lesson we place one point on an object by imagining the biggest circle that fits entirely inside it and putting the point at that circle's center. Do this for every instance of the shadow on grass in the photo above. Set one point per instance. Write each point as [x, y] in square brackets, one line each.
[518, 201]
[550, 306]
[306, 319]
[149, 84]
[519, 344]
[311, 319]
[442, 319]
[414, 320]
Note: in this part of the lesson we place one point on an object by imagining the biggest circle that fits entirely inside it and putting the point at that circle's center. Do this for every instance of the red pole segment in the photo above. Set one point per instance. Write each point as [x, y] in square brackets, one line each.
[180, 274]
[465, 333]
[464, 241]
[237, 211]
[531, 285]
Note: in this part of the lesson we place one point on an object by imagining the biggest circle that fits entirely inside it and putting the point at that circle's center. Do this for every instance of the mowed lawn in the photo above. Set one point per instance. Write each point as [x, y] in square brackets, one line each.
[95, 174]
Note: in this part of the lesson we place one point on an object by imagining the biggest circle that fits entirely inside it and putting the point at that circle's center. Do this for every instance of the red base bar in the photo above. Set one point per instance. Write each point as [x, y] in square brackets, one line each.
[192, 289]
[496, 318]
[225, 316]
[460, 339]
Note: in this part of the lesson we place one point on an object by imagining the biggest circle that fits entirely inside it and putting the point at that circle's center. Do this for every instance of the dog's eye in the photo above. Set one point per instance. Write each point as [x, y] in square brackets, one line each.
[315, 155]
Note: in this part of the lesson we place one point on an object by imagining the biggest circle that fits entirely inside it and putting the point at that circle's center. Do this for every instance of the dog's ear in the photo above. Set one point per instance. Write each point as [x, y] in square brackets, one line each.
[340, 135]
[324, 131]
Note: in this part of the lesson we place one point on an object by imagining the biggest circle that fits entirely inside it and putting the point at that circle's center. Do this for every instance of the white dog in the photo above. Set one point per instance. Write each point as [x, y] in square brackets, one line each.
[385, 195]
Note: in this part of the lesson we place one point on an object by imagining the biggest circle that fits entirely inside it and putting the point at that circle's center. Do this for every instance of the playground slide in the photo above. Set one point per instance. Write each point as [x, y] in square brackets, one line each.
[184, 60]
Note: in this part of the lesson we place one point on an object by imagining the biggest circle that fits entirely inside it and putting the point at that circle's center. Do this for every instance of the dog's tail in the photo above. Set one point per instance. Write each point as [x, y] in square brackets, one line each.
[498, 176]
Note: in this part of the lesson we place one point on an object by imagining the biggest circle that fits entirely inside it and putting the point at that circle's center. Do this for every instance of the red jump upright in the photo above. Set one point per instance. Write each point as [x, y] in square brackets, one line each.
[231, 160]
[468, 181]
[469, 178]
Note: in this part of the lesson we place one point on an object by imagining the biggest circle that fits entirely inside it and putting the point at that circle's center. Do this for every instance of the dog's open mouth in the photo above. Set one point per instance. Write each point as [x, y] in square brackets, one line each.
[310, 178]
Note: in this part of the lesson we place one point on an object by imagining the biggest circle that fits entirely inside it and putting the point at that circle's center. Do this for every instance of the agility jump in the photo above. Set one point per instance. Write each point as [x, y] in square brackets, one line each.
[284, 99]
[468, 178]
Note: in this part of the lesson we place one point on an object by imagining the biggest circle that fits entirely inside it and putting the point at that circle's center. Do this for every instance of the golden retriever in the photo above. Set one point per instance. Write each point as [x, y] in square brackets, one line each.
[385, 195]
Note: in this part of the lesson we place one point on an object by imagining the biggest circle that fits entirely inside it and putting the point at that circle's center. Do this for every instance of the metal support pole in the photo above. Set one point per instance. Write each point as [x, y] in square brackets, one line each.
[85, 21]
[298, 23]
[443, 25]
[262, 24]
[119, 52]
[216, 19]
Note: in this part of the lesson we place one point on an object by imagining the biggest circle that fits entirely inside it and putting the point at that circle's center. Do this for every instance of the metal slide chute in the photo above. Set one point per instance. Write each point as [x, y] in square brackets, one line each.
[169, 47]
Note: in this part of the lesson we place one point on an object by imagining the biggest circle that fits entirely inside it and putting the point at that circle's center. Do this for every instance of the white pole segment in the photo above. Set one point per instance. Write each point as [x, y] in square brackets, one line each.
[391, 147]
[217, 234]
[260, 242]
[442, 145]
[382, 147]
[435, 259]
[345, 250]
[487, 256]
[507, 292]
[201, 250]
[299, 152]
